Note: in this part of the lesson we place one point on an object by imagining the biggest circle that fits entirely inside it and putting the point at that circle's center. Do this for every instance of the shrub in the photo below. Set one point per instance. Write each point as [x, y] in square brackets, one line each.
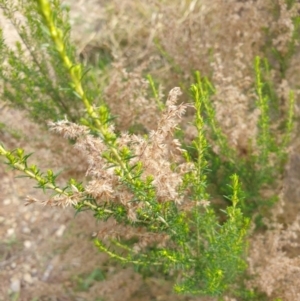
[161, 191]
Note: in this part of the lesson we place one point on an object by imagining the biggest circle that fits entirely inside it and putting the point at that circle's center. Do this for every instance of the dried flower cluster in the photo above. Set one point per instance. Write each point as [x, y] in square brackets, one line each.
[155, 155]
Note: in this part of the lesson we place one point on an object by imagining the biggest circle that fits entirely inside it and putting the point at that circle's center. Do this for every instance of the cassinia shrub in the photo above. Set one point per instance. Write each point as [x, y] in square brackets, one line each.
[157, 188]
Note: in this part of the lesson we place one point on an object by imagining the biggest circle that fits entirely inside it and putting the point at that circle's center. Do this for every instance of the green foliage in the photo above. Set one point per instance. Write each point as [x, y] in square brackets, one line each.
[160, 105]
[32, 72]
[256, 170]
[207, 245]
[208, 255]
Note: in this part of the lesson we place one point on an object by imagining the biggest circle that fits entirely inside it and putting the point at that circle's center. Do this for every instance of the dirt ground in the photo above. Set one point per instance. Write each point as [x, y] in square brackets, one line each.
[47, 254]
